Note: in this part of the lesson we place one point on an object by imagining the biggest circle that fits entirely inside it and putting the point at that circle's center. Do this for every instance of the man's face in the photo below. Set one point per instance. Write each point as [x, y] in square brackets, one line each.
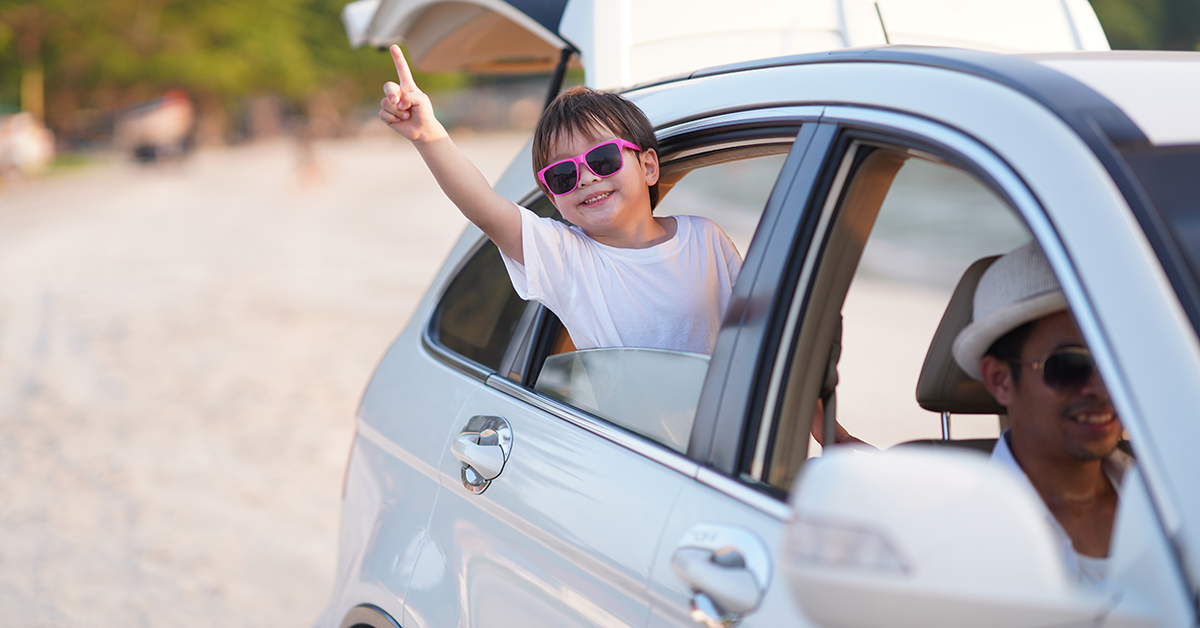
[1074, 424]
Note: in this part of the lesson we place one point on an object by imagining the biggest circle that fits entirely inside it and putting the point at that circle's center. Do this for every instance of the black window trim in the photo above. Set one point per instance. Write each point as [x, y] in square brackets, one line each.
[744, 330]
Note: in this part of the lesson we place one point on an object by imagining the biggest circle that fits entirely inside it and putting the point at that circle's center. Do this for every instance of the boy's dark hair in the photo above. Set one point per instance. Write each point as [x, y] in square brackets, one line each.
[1008, 347]
[582, 110]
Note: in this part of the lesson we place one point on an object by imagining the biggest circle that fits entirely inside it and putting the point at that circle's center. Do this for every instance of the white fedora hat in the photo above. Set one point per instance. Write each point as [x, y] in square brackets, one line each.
[1018, 288]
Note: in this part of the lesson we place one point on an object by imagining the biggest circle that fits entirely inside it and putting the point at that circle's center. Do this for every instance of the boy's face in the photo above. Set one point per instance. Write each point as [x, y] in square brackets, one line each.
[611, 206]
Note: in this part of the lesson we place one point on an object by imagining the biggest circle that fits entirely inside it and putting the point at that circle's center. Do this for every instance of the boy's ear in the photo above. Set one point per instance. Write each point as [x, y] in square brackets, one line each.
[649, 159]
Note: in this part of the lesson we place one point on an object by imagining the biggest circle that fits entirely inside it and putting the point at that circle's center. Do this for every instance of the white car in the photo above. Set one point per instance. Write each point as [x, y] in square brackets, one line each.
[496, 480]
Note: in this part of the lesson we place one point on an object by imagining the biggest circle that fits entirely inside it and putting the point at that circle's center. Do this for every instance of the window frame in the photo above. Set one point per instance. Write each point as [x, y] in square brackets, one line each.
[429, 336]
[683, 141]
[690, 142]
[737, 438]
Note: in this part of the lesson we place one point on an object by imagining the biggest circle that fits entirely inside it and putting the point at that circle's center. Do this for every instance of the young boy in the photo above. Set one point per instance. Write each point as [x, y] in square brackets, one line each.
[620, 276]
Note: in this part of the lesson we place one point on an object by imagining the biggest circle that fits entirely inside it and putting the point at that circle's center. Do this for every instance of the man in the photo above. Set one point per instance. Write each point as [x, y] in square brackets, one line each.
[1026, 349]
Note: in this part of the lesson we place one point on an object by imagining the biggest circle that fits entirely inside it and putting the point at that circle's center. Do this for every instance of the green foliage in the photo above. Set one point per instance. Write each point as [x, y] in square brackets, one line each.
[99, 54]
[1130, 24]
[1150, 24]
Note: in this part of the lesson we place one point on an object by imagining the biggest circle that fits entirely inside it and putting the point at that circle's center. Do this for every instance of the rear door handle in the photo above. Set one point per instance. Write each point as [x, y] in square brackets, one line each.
[482, 449]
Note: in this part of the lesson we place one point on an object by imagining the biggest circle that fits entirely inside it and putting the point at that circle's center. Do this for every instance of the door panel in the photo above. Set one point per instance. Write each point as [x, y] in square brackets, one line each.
[391, 483]
[706, 507]
[563, 536]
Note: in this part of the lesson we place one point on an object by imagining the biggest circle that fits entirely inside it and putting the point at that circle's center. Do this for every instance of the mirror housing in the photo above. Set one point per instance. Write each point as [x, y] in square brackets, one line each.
[926, 538]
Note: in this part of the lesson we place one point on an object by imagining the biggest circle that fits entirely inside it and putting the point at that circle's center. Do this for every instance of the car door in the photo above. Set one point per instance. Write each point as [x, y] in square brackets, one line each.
[877, 226]
[561, 525]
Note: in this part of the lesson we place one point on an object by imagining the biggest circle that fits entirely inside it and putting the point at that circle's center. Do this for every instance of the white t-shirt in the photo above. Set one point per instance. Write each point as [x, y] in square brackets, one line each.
[669, 296]
[1086, 569]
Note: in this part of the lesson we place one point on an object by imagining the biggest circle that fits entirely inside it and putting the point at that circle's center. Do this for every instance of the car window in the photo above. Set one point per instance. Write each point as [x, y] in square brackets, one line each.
[479, 312]
[904, 228]
[479, 315]
[731, 194]
[647, 391]
[654, 393]
[1168, 175]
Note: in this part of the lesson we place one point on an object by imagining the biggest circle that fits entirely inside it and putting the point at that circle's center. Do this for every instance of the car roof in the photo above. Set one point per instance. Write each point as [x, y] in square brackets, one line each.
[1145, 96]
[1158, 90]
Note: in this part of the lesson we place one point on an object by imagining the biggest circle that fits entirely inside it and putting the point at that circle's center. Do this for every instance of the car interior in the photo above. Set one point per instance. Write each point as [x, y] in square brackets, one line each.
[824, 326]
[943, 387]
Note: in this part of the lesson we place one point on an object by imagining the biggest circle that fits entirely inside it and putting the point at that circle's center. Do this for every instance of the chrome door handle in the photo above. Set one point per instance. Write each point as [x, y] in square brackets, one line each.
[482, 448]
[727, 569]
[487, 460]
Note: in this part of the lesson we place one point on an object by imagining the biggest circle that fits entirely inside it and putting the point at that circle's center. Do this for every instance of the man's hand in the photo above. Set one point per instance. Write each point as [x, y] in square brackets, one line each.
[406, 108]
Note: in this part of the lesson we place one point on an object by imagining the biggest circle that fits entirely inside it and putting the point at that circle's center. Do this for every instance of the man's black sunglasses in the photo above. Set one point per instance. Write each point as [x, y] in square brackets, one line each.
[1066, 369]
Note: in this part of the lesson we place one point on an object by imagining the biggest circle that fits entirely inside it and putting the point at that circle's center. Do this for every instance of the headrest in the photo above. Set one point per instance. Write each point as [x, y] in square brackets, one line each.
[943, 386]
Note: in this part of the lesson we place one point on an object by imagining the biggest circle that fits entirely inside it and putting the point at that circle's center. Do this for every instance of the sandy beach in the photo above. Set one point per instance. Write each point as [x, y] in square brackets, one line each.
[182, 348]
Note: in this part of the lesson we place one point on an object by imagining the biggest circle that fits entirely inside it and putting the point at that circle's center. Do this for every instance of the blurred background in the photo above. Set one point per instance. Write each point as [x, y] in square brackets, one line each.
[207, 239]
[161, 77]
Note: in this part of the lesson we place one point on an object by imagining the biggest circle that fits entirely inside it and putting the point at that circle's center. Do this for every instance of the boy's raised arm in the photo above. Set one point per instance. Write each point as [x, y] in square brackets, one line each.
[409, 112]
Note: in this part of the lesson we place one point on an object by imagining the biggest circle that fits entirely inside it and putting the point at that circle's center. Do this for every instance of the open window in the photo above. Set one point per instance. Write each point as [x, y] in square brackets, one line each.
[901, 224]
[906, 235]
[650, 392]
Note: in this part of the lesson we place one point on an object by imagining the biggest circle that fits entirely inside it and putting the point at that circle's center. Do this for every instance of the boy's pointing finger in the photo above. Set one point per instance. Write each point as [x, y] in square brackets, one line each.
[402, 71]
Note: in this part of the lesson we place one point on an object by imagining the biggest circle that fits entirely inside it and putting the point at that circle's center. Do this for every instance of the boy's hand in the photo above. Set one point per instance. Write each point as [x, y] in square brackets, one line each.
[409, 112]
[406, 108]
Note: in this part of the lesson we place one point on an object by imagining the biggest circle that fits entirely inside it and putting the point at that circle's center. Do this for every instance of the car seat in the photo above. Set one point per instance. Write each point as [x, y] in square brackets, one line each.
[943, 387]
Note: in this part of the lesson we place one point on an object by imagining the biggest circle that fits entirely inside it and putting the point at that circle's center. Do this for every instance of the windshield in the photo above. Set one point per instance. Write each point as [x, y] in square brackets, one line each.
[1171, 178]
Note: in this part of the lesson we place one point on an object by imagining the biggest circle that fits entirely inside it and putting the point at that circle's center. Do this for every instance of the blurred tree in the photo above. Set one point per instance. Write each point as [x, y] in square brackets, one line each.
[1130, 24]
[102, 54]
[1181, 25]
[1150, 24]
[24, 27]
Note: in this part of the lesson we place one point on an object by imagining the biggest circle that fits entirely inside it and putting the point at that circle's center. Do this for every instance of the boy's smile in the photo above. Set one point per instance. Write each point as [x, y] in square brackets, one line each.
[613, 210]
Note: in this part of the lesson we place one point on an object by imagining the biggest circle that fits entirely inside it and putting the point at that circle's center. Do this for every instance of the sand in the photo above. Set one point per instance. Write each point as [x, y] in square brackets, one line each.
[182, 349]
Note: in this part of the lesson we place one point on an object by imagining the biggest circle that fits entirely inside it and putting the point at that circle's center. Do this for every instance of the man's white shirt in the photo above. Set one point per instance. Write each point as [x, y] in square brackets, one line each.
[1086, 569]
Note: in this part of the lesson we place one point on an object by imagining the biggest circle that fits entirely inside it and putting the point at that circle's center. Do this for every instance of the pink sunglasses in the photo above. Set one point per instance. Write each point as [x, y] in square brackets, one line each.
[604, 160]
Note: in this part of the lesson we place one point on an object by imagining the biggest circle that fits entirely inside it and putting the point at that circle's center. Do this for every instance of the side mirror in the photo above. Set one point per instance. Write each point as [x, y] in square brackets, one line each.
[928, 539]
